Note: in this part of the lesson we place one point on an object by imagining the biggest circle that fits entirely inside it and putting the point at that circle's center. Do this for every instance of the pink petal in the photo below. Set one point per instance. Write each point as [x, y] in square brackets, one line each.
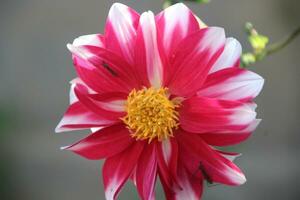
[191, 186]
[120, 31]
[102, 70]
[146, 172]
[78, 117]
[199, 157]
[104, 143]
[108, 110]
[206, 115]
[230, 138]
[169, 194]
[232, 84]
[113, 101]
[230, 57]
[193, 59]
[117, 169]
[147, 51]
[167, 156]
[91, 40]
[174, 27]
[229, 155]
[72, 94]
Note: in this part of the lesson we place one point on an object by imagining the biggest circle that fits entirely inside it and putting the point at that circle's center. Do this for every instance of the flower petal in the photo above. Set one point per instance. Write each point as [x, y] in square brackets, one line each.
[147, 54]
[232, 84]
[106, 108]
[120, 31]
[78, 117]
[193, 59]
[104, 143]
[230, 57]
[117, 169]
[169, 194]
[91, 40]
[72, 95]
[230, 138]
[146, 172]
[174, 27]
[206, 115]
[229, 155]
[191, 186]
[102, 70]
[167, 156]
[203, 161]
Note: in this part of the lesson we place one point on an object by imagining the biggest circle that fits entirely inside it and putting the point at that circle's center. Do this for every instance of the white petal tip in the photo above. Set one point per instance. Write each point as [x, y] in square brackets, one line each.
[116, 9]
[177, 6]
[237, 178]
[243, 180]
[64, 148]
[217, 30]
[58, 129]
[117, 4]
[72, 48]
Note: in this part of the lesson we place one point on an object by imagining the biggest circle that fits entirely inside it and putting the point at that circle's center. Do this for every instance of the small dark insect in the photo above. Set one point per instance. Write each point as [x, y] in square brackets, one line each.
[106, 66]
[204, 173]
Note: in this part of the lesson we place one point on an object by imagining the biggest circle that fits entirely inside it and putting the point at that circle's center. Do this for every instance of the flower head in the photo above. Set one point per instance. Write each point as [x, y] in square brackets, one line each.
[158, 93]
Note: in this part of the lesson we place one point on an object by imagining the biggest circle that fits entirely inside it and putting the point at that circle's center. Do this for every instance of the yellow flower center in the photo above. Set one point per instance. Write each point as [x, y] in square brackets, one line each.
[151, 114]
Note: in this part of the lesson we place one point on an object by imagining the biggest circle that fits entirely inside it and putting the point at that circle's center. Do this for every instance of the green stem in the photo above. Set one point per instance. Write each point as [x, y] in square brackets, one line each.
[273, 48]
[170, 2]
[270, 49]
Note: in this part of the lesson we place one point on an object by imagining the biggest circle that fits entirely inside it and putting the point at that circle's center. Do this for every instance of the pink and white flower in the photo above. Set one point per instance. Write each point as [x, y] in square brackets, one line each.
[159, 92]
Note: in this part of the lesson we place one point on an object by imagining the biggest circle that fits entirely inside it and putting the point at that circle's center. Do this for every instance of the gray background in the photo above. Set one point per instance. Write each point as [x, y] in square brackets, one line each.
[35, 68]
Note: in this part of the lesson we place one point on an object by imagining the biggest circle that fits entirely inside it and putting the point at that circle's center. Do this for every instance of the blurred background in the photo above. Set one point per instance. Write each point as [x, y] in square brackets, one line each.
[35, 68]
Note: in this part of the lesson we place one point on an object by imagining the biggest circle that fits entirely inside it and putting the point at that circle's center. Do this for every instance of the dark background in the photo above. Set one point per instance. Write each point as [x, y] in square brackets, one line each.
[35, 68]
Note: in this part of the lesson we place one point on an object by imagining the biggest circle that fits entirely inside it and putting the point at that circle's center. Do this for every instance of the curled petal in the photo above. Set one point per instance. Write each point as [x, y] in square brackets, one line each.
[72, 95]
[103, 143]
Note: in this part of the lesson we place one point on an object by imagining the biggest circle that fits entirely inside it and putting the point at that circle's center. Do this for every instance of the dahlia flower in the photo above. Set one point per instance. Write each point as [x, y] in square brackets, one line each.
[160, 93]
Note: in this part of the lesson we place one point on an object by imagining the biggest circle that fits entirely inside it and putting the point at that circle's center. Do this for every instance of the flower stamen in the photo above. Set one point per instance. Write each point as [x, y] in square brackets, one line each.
[151, 114]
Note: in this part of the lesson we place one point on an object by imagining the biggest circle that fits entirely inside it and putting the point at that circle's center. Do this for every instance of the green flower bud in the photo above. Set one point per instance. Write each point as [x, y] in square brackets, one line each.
[248, 59]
